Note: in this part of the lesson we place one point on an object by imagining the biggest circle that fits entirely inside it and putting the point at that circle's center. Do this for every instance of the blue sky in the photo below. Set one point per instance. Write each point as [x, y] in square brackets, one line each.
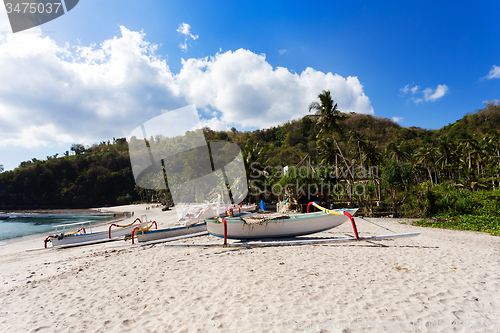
[104, 68]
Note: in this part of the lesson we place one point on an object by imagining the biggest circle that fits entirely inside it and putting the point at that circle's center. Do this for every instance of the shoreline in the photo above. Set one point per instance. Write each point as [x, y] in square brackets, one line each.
[121, 213]
[118, 216]
[54, 211]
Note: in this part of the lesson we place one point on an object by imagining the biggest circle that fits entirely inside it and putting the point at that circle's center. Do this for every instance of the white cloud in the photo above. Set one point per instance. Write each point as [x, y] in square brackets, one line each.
[406, 89]
[62, 94]
[494, 73]
[283, 51]
[440, 91]
[416, 100]
[427, 94]
[247, 91]
[215, 124]
[79, 94]
[4, 23]
[183, 46]
[397, 119]
[492, 102]
[185, 29]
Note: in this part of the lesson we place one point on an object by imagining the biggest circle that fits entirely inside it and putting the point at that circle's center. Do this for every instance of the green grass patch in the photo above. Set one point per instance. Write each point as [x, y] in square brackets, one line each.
[483, 223]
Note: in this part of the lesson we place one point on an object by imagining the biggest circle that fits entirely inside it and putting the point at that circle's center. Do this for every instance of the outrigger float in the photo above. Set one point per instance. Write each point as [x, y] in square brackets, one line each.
[62, 239]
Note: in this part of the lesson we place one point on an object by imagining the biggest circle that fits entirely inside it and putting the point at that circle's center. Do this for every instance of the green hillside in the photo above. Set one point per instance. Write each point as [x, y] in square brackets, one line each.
[412, 165]
[95, 176]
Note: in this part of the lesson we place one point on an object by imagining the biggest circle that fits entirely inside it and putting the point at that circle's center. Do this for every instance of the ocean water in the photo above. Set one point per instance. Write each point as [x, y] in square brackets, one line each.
[20, 225]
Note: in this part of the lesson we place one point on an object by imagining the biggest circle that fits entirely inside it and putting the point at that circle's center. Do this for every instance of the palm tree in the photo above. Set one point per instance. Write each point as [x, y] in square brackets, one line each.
[478, 153]
[327, 151]
[327, 118]
[373, 158]
[327, 115]
[372, 155]
[470, 180]
[396, 150]
[493, 139]
[426, 156]
[398, 178]
[467, 142]
[359, 142]
[446, 155]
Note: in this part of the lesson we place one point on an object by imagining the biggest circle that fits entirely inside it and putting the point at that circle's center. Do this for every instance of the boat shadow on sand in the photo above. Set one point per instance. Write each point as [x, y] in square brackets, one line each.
[361, 243]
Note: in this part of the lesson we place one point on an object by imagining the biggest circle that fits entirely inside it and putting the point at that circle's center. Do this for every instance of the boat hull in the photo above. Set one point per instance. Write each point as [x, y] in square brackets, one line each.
[94, 237]
[153, 235]
[296, 225]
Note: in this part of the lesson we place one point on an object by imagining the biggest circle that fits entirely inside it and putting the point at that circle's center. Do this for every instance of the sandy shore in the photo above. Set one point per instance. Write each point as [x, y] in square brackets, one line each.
[409, 284]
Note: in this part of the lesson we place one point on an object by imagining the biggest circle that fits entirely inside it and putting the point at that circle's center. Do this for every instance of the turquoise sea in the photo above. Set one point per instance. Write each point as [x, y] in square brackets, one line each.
[21, 224]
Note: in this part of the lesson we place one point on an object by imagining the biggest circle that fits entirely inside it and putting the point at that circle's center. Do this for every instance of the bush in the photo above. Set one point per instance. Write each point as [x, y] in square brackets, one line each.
[454, 202]
[452, 208]
[484, 223]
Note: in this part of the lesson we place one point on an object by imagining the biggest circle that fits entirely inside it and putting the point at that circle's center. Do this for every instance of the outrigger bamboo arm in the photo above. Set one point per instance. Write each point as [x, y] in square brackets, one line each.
[333, 212]
[328, 211]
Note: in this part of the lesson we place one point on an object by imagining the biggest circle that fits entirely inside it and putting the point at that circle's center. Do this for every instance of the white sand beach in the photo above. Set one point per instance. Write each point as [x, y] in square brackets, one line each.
[422, 283]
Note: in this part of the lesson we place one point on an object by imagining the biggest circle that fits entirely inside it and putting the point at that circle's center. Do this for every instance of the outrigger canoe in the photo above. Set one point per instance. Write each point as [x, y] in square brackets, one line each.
[61, 238]
[273, 225]
[153, 235]
[189, 228]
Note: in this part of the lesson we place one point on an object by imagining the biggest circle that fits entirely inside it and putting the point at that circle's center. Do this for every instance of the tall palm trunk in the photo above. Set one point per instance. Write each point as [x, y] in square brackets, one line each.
[345, 161]
[468, 149]
[336, 167]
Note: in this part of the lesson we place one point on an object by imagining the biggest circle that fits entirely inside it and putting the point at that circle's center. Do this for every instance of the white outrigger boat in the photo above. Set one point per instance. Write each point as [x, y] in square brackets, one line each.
[164, 234]
[192, 224]
[290, 226]
[61, 238]
[273, 225]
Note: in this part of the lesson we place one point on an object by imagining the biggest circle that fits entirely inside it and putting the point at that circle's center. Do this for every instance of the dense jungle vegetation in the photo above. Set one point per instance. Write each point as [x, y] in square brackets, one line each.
[449, 176]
